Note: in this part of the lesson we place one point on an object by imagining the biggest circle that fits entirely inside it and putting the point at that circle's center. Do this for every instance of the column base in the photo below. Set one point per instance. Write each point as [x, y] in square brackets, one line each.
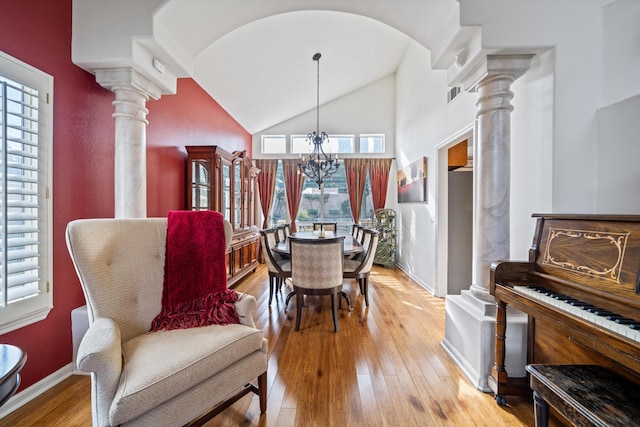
[469, 338]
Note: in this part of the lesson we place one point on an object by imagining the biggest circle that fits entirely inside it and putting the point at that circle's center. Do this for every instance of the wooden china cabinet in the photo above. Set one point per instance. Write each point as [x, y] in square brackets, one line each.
[227, 183]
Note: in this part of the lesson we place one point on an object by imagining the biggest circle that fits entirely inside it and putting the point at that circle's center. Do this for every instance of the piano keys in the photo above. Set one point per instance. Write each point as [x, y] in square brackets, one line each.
[597, 315]
[581, 291]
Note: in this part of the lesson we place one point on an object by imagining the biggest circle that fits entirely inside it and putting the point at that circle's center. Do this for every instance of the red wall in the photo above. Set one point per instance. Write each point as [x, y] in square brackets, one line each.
[191, 117]
[38, 32]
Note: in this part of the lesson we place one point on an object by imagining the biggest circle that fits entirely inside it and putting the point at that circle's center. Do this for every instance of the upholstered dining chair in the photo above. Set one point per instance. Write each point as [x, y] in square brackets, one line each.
[326, 226]
[360, 268]
[167, 377]
[287, 230]
[316, 269]
[363, 236]
[279, 267]
[281, 233]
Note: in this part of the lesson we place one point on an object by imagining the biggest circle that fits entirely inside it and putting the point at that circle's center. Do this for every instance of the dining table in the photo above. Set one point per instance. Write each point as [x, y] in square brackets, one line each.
[351, 245]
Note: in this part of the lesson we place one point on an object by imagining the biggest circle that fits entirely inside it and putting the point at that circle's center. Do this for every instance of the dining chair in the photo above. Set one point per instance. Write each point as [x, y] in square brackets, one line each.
[278, 266]
[364, 239]
[316, 269]
[287, 230]
[360, 269]
[326, 226]
[281, 233]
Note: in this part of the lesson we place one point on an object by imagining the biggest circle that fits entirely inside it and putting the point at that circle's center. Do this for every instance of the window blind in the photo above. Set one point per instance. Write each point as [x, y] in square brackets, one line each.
[18, 192]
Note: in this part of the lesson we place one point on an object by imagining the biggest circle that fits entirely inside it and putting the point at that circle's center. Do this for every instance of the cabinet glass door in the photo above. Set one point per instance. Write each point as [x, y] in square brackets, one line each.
[225, 206]
[237, 195]
[200, 184]
[252, 202]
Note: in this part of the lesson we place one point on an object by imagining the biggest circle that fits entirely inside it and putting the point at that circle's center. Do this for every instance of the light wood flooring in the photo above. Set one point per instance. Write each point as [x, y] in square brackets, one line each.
[385, 367]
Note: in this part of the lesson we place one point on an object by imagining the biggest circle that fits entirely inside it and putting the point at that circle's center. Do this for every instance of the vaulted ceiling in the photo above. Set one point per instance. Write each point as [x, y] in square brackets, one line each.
[255, 56]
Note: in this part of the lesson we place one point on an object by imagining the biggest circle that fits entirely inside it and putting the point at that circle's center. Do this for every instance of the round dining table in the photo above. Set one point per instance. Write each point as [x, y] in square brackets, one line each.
[351, 245]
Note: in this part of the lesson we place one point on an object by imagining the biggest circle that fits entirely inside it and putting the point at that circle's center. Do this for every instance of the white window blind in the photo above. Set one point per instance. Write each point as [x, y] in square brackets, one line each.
[25, 203]
[18, 192]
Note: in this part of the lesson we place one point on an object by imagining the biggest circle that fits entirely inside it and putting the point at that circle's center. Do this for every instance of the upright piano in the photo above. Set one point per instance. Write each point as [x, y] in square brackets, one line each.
[581, 291]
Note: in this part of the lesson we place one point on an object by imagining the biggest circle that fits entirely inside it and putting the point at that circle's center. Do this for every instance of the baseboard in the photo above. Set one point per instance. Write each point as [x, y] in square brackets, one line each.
[465, 366]
[35, 390]
[429, 289]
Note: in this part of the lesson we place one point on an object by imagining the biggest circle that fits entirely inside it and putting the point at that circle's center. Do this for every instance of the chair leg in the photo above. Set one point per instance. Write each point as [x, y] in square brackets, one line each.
[343, 294]
[262, 394]
[271, 288]
[365, 290]
[334, 311]
[286, 302]
[298, 309]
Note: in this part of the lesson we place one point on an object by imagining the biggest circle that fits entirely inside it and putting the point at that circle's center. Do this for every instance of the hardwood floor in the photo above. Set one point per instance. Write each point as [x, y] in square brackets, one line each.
[386, 367]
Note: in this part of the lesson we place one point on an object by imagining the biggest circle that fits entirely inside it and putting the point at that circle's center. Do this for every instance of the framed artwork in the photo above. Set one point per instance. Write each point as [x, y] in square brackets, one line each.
[412, 182]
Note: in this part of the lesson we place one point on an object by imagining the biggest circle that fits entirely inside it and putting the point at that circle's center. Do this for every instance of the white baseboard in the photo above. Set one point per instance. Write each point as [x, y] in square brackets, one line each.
[428, 288]
[35, 390]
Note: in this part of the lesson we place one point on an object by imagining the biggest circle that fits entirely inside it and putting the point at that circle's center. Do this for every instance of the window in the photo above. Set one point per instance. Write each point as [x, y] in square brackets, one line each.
[274, 144]
[26, 112]
[278, 214]
[335, 204]
[300, 144]
[337, 144]
[373, 143]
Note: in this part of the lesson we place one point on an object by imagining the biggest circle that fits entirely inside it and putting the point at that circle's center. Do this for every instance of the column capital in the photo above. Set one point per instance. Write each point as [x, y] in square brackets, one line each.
[127, 78]
[508, 66]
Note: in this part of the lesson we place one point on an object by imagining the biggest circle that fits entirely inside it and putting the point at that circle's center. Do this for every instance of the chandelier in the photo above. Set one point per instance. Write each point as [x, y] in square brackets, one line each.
[318, 165]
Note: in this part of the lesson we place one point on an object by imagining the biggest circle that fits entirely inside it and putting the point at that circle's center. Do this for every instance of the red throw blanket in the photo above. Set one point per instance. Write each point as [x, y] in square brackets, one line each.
[195, 289]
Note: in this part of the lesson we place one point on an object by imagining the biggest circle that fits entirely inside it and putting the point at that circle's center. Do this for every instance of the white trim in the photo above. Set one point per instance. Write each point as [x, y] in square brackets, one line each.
[26, 311]
[35, 390]
[417, 280]
[442, 203]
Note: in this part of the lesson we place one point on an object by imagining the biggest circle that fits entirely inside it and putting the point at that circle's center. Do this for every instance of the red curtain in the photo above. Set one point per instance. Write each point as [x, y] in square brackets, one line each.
[266, 185]
[293, 183]
[356, 172]
[379, 175]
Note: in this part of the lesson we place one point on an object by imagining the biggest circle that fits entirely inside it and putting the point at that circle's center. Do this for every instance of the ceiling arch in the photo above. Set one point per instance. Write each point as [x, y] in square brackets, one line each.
[254, 56]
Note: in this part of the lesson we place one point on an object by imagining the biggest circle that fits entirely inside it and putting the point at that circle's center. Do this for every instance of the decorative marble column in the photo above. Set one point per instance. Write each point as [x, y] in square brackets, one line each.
[493, 164]
[471, 316]
[132, 91]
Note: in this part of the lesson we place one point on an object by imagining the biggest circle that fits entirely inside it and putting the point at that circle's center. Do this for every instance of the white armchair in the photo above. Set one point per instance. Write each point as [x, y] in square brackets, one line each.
[165, 377]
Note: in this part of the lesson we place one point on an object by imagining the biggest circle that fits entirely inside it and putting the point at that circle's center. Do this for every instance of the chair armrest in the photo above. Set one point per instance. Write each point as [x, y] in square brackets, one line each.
[100, 353]
[100, 350]
[245, 307]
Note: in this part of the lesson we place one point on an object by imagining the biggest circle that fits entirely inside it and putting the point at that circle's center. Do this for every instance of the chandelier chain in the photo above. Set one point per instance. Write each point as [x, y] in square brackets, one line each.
[318, 165]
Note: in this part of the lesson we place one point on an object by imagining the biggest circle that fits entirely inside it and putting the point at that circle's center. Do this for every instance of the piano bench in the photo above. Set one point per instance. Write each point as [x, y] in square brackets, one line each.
[584, 394]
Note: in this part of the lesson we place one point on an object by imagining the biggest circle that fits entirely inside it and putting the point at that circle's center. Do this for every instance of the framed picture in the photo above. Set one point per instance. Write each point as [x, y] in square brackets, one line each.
[412, 182]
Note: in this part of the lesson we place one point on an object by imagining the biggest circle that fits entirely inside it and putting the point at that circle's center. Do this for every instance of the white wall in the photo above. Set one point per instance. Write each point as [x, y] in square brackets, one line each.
[618, 153]
[618, 150]
[531, 151]
[574, 28]
[423, 120]
[370, 109]
[621, 51]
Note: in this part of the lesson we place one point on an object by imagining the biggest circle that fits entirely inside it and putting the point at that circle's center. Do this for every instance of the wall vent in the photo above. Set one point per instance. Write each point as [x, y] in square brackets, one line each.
[452, 93]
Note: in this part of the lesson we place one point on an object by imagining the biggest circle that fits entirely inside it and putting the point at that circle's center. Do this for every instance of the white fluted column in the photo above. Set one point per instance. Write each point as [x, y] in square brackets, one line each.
[492, 165]
[132, 91]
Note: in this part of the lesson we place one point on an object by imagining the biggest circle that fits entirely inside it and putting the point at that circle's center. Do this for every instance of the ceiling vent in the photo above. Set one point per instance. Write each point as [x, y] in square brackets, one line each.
[452, 93]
